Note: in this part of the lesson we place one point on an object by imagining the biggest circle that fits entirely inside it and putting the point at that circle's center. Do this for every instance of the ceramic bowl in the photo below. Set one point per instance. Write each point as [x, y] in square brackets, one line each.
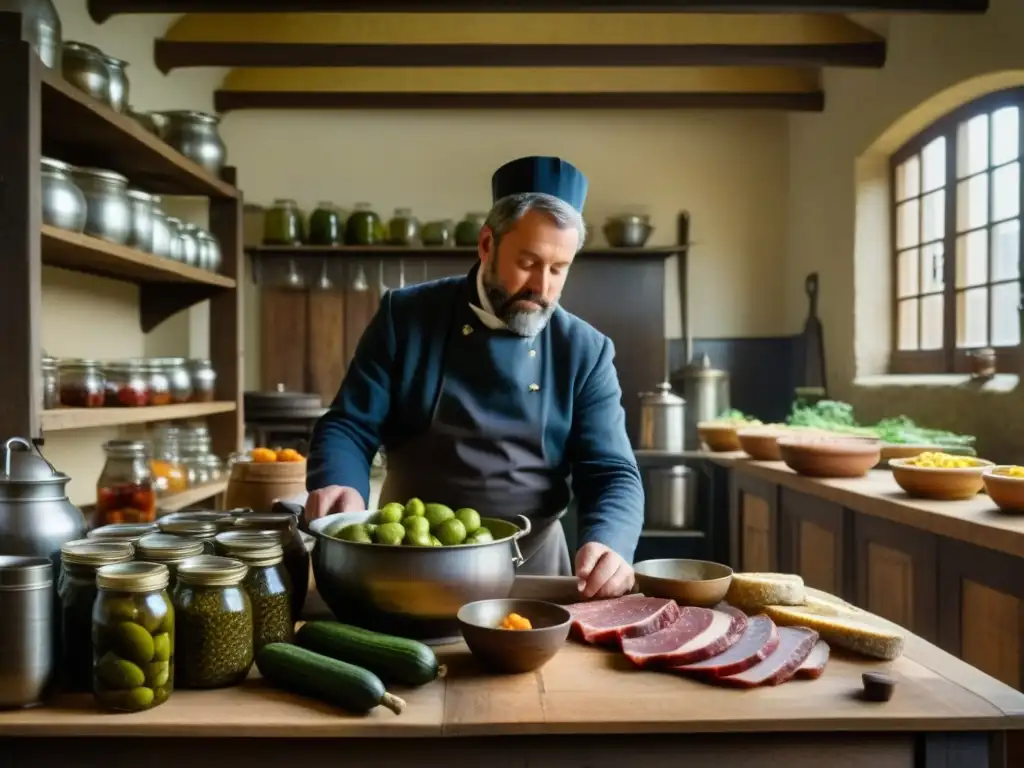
[513, 651]
[762, 443]
[688, 582]
[1007, 492]
[827, 457]
[718, 436]
[940, 483]
[906, 451]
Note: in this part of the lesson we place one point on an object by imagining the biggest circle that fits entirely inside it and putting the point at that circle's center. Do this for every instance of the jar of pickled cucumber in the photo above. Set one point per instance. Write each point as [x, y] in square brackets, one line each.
[269, 590]
[76, 589]
[133, 636]
[169, 550]
[215, 623]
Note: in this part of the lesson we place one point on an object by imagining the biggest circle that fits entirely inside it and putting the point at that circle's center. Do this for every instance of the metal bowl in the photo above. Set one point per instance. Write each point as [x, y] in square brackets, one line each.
[514, 650]
[688, 582]
[413, 592]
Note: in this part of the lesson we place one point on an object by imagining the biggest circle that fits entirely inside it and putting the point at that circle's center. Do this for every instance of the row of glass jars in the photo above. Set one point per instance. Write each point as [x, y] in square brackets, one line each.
[183, 458]
[285, 224]
[83, 383]
[99, 202]
[139, 619]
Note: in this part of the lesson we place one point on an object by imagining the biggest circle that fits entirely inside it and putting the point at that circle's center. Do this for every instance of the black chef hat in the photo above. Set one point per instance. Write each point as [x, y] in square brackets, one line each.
[547, 175]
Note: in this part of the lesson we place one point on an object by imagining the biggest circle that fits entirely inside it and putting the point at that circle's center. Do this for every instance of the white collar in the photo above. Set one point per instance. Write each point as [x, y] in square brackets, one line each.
[486, 310]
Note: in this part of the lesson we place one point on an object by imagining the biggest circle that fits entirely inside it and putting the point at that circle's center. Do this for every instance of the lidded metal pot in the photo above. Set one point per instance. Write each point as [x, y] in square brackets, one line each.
[706, 389]
[662, 420]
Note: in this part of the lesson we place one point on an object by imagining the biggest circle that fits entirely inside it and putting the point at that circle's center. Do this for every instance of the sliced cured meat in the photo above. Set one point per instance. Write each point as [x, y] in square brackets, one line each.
[760, 639]
[815, 663]
[622, 617]
[698, 633]
[795, 645]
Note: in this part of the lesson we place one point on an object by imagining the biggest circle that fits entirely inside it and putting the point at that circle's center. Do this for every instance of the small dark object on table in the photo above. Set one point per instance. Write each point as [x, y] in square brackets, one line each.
[878, 686]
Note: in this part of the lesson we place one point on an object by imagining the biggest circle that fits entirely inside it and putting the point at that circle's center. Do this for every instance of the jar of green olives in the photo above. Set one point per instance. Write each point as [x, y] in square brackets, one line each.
[169, 550]
[269, 590]
[76, 589]
[215, 623]
[133, 636]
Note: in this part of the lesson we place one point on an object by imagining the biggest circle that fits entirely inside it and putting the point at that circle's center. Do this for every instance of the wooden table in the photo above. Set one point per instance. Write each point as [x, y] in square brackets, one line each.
[587, 707]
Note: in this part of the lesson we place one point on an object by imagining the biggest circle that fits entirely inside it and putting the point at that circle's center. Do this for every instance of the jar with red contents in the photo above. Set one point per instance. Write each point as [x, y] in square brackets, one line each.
[127, 385]
[159, 384]
[124, 492]
[81, 383]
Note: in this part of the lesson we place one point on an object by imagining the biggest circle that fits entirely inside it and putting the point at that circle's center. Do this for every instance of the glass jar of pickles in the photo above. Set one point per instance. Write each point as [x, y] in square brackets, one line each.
[364, 226]
[282, 223]
[169, 550]
[126, 384]
[133, 631]
[77, 592]
[269, 590]
[214, 622]
[326, 226]
[403, 228]
[467, 231]
[81, 383]
[124, 492]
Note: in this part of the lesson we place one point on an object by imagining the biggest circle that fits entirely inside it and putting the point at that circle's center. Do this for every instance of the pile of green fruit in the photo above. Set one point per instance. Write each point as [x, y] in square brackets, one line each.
[416, 524]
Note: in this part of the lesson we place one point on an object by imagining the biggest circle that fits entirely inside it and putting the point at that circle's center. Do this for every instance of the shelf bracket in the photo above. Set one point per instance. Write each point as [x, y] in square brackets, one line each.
[159, 301]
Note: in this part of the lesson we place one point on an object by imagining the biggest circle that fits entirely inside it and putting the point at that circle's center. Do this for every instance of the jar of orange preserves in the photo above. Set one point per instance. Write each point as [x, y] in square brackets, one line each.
[124, 492]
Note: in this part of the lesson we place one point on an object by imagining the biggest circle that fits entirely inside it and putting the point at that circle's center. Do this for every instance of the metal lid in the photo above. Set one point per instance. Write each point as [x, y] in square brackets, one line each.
[123, 365]
[163, 547]
[127, 449]
[98, 553]
[271, 521]
[212, 571]
[201, 515]
[271, 553]
[240, 541]
[18, 572]
[78, 362]
[52, 164]
[662, 396]
[128, 531]
[138, 194]
[100, 173]
[701, 369]
[197, 529]
[133, 577]
[26, 465]
[74, 46]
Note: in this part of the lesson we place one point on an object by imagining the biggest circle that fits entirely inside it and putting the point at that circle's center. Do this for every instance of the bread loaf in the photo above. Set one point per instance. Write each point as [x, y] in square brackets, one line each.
[753, 591]
[842, 625]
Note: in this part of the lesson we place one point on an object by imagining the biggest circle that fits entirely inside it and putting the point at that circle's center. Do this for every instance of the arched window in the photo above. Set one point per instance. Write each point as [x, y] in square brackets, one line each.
[956, 196]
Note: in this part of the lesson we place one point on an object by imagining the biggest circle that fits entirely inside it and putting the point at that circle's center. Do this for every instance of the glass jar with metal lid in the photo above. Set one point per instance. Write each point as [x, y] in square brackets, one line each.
[269, 590]
[133, 627]
[81, 383]
[76, 589]
[159, 384]
[175, 248]
[178, 378]
[202, 531]
[168, 549]
[215, 623]
[126, 384]
[124, 492]
[296, 558]
[222, 519]
[189, 239]
[51, 389]
[203, 379]
[130, 532]
[169, 473]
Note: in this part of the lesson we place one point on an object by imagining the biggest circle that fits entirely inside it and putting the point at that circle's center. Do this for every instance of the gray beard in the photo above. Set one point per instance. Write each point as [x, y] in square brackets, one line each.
[527, 323]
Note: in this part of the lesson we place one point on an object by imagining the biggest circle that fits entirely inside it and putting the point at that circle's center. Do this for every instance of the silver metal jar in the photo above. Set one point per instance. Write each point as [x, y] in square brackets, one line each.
[209, 251]
[662, 420]
[27, 632]
[63, 201]
[189, 239]
[196, 136]
[83, 66]
[141, 234]
[669, 498]
[174, 226]
[108, 215]
[40, 28]
[706, 391]
[161, 231]
[117, 89]
[178, 377]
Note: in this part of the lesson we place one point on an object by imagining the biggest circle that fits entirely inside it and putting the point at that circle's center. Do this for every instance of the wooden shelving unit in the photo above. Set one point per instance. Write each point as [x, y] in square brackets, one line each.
[45, 116]
[426, 251]
[174, 502]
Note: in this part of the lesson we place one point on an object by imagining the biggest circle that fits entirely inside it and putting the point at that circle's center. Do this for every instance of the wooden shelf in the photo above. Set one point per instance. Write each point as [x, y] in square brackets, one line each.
[176, 501]
[420, 252]
[61, 419]
[80, 130]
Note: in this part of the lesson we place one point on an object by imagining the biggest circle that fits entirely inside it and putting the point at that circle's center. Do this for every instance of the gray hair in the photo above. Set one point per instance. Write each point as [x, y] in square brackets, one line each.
[508, 210]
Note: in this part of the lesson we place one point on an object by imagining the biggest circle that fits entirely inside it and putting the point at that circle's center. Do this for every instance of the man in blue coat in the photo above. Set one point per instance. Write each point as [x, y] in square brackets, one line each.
[487, 394]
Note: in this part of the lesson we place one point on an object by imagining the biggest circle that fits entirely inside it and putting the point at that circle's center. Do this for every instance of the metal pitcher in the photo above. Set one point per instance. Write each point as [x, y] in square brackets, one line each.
[662, 420]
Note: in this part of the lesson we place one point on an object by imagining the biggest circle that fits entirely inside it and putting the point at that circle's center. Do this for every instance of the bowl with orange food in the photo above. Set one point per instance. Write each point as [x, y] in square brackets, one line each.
[513, 635]
[940, 476]
[1005, 486]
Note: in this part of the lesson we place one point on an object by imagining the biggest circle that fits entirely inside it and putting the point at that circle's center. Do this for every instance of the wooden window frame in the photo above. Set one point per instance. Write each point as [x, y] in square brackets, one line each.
[950, 358]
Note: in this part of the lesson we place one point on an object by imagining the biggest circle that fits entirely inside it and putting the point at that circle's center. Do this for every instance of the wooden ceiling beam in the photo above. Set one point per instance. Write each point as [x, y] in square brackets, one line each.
[101, 10]
[175, 54]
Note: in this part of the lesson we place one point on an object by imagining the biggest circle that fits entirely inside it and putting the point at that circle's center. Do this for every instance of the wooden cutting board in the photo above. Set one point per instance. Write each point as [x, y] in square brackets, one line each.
[283, 319]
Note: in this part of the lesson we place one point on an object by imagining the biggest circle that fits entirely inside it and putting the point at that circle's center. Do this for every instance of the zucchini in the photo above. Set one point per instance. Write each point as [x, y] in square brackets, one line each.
[393, 659]
[344, 685]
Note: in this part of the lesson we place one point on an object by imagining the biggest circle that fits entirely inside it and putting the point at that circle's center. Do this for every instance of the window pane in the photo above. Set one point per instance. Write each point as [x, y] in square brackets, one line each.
[908, 178]
[1005, 135]
[1006, 250]
[1006, 192]
[908, 224]
[907, 269]
[1005, 316]
[972, 146]
[972, 318]
[934, 164]
[934, 222]
[972, 259]
[972, 203]
[932, 268]
[907, 335]
[931, 322]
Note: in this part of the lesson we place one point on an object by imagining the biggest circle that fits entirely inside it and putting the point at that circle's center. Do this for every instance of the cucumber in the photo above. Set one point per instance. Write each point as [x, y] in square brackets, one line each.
[301, 671]
[393, 659]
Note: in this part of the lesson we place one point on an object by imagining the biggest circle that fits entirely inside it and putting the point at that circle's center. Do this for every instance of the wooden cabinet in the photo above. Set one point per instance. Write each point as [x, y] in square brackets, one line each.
[753, 524]
[812, 542]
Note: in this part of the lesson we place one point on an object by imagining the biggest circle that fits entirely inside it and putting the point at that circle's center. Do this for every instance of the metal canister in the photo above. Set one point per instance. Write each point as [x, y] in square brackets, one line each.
[27, 631]
[662, 415]
[706, 391]
[669, 498]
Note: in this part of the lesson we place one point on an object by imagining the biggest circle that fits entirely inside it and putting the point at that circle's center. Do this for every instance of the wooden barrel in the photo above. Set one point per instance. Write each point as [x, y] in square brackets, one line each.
[258, 485]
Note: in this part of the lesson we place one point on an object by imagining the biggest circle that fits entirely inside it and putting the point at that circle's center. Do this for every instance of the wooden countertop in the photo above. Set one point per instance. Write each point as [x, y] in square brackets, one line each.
[583, 690]
[975, 521]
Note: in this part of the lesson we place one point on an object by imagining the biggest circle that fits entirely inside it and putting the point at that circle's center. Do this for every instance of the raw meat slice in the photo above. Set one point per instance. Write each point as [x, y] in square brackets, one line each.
[815, 663]
[759, 640]
[795, 645]
[588, 607]
[698, 634]
[622, 617]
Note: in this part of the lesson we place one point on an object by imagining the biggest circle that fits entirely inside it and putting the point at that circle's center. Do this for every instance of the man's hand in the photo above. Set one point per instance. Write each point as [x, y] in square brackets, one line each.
[601, 572]
[333, 498]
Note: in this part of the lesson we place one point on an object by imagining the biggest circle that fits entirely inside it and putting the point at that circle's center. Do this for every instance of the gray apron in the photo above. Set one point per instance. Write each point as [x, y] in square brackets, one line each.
[484, 446]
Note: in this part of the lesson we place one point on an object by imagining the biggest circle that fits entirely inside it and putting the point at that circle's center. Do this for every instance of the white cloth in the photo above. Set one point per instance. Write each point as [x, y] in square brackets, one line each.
[486, 310]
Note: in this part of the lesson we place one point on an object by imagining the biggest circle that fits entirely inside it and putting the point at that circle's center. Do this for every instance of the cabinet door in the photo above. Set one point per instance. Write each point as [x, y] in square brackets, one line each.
[980, 616]
[812, 541]
[896, 573]
[753, 524]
